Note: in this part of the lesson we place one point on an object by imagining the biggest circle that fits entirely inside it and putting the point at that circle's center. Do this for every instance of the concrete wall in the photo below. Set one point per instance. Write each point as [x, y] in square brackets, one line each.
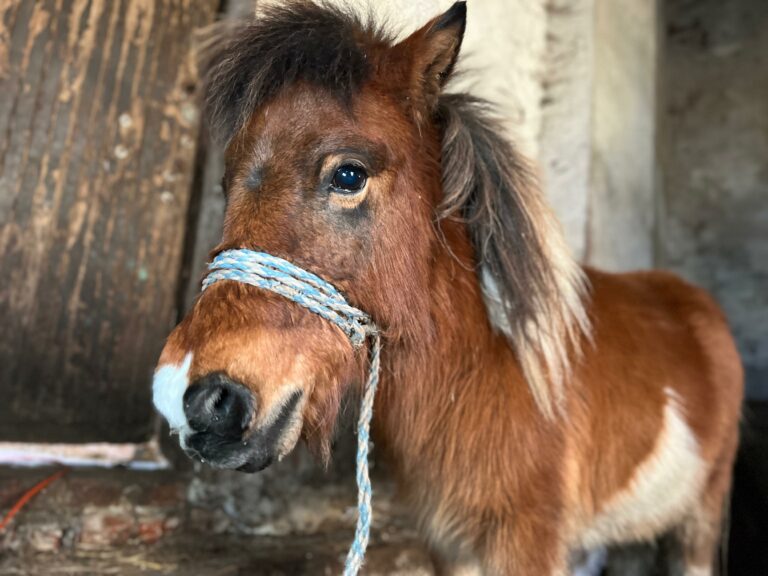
[714, 229]
[565, 131]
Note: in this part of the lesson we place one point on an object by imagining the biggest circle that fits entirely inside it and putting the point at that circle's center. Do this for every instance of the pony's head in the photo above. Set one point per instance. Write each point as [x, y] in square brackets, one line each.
[344, 157]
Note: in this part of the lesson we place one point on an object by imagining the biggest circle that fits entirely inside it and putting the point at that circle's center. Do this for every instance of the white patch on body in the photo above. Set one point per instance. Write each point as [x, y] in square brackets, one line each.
[698, 571]
[168, 387]
[664, 488]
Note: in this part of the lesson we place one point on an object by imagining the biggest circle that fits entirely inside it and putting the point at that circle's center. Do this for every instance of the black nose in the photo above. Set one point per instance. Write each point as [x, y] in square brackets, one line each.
[218, 405]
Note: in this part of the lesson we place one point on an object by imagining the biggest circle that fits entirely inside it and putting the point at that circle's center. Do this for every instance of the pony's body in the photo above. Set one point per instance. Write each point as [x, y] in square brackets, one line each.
[529, 407]
[645, 446]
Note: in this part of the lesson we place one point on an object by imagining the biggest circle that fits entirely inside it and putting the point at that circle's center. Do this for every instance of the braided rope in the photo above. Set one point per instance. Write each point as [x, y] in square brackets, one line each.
[312, 292]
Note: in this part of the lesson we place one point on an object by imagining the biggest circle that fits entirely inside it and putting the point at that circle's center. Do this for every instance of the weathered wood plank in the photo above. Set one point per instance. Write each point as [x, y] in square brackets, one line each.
[98, 126]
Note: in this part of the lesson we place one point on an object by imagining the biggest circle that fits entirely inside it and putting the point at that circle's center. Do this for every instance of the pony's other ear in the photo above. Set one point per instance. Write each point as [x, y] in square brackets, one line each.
[432, 52]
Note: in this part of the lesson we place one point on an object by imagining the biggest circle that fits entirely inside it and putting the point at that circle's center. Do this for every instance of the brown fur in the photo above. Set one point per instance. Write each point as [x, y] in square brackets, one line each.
[495, 476]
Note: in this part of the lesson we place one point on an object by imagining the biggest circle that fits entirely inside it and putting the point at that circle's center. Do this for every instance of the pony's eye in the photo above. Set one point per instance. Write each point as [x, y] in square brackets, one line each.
[349, 179]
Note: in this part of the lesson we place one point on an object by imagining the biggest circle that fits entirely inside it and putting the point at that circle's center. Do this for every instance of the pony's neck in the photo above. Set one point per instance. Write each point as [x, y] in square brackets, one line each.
[424, 380]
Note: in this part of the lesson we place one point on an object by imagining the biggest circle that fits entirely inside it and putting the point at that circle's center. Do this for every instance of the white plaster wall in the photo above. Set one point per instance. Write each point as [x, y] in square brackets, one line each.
[501, 57]
[565, 131]
[624, 168]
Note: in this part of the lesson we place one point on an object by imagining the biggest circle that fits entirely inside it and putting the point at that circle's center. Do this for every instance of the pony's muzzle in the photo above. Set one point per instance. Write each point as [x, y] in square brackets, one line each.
[218, 405]
[220, 412]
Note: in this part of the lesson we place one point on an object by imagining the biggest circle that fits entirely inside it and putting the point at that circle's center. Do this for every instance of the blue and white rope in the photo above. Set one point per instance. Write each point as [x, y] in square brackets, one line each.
[312, 292]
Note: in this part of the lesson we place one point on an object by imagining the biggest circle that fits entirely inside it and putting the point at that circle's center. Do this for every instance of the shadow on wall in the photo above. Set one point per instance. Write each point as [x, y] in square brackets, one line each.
[715, 227]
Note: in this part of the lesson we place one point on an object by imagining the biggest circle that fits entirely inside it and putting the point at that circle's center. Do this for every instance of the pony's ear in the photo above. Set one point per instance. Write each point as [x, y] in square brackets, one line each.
[432, 52]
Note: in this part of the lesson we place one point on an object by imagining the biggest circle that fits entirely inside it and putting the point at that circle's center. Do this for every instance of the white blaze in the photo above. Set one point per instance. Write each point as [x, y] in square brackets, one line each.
[168, 387]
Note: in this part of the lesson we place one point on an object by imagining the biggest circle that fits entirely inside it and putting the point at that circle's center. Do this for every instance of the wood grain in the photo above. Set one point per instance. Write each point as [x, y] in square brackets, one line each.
[98, 126]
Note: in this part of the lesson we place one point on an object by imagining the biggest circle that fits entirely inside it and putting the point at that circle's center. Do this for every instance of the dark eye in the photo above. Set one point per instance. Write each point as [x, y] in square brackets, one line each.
[349, 179]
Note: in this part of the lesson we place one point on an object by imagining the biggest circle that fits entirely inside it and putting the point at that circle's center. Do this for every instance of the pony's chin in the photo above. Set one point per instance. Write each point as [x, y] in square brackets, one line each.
[284, 447]
[253, 467]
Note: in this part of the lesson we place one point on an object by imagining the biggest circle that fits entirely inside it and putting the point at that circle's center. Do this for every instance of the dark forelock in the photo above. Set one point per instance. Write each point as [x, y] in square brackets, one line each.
[301, 40]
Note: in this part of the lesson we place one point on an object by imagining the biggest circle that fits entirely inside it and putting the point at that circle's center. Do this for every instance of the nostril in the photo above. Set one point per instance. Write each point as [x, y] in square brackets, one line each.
[217, 404]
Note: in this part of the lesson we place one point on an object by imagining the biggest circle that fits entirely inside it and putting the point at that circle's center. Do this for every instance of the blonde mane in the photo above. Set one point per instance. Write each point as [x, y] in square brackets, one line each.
[534, 290]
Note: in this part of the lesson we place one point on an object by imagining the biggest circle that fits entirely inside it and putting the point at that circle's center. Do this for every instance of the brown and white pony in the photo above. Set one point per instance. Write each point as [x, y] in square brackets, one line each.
[529, 406]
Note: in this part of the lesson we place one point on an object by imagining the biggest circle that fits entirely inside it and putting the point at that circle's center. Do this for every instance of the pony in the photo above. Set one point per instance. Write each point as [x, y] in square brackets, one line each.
[528, 406]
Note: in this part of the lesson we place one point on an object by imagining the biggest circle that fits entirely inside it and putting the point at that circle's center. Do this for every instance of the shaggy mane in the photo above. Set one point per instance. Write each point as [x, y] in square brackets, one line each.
[533, 288]
[250, 62]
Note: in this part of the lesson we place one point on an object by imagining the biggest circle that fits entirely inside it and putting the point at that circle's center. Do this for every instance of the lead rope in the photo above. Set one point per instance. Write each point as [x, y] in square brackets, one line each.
[312, 292]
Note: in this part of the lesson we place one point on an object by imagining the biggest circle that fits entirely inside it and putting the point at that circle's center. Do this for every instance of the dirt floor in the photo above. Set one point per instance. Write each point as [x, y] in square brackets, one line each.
[291, 519]
[162, 523]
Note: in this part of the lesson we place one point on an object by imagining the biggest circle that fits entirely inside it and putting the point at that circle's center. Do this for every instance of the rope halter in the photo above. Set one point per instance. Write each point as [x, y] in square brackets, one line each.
[315, 294]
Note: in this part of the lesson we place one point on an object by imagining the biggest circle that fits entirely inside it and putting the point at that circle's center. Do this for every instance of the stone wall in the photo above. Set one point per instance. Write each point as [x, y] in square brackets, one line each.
[714, 228]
